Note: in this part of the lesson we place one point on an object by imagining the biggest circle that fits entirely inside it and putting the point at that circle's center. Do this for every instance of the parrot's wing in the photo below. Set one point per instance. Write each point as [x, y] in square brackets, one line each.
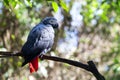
[38, 40]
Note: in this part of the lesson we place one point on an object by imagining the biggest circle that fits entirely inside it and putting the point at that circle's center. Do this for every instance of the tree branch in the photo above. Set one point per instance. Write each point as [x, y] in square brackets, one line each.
[10, 54]
[89, 67]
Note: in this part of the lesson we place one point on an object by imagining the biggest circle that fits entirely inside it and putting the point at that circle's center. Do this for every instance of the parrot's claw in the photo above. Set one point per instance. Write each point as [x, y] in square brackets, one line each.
[41, 56]
[43, 53]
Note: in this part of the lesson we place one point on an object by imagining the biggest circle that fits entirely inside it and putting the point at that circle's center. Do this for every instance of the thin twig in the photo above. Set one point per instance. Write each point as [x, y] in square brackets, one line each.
[10, 53]
[4, 56]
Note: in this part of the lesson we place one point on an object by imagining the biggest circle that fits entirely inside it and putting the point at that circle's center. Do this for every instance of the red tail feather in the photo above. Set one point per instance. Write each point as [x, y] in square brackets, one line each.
[34, 65]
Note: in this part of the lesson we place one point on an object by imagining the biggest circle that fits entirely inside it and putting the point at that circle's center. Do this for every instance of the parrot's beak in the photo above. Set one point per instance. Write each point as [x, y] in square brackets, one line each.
[55, 26]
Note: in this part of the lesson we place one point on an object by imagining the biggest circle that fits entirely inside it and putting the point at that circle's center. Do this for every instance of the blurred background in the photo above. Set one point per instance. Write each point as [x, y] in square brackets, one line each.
[88, 30]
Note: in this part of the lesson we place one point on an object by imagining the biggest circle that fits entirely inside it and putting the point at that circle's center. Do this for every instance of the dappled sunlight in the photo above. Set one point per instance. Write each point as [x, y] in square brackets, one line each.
[88, 30]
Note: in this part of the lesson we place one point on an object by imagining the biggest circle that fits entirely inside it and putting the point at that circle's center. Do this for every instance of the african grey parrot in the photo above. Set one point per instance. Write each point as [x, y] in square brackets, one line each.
[39, 41]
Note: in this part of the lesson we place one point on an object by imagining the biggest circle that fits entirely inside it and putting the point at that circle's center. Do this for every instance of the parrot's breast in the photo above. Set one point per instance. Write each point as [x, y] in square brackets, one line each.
[48, 33]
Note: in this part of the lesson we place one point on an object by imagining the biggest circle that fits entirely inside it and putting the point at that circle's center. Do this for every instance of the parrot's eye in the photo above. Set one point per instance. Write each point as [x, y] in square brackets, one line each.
[51, 21]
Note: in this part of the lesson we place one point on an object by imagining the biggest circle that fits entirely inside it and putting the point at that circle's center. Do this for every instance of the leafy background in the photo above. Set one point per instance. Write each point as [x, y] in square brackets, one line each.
[88, 30]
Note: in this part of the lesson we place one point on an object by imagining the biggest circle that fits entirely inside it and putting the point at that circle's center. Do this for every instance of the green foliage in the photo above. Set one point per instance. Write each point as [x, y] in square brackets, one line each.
[55, 6]
[19, 16]
[64, 5]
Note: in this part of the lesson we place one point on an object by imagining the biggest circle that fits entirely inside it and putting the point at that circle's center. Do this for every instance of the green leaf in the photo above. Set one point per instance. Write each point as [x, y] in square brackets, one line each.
[64, 6]
[13, 36]
[30, 3]
[55, 6]
[14, 3]
[116, 61]
[6, 2]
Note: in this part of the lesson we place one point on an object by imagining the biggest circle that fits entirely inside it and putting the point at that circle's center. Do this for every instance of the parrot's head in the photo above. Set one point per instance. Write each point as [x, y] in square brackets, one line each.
[51, 21]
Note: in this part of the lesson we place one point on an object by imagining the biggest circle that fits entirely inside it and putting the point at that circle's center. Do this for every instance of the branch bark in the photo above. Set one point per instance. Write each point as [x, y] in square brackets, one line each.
[89, 67]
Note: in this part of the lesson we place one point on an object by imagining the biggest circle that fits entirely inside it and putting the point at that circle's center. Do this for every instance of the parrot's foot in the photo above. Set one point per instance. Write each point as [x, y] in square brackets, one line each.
[42, 53]
[41, 56]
